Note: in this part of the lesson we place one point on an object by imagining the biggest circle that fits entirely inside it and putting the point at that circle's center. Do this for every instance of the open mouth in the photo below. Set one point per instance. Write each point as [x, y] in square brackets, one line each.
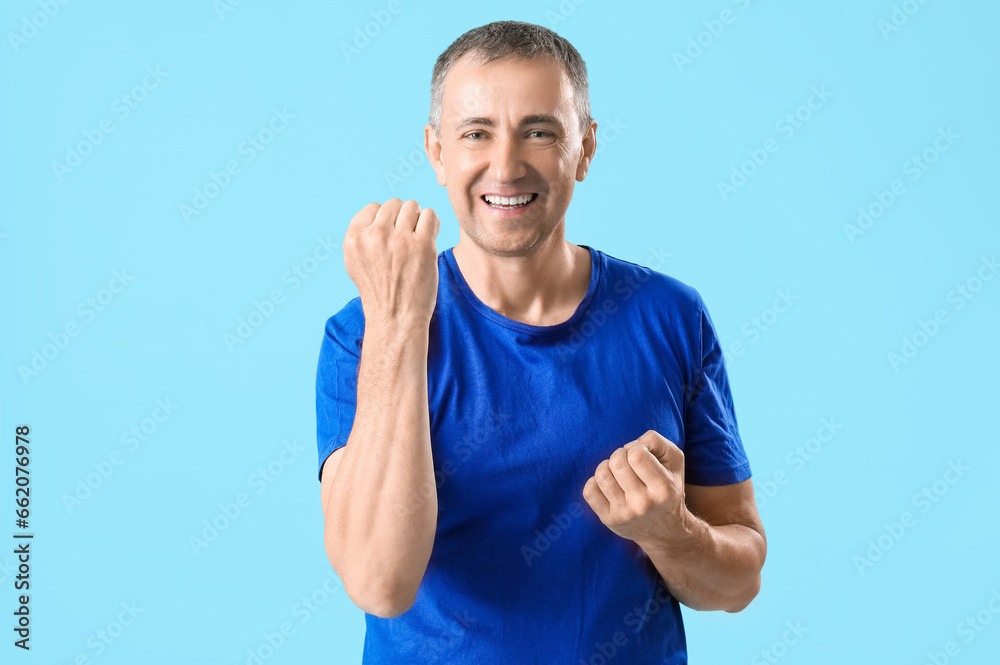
[508, 203]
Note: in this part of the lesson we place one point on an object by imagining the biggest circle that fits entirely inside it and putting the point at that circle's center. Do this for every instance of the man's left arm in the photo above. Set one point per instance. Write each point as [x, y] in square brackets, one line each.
[707, 543]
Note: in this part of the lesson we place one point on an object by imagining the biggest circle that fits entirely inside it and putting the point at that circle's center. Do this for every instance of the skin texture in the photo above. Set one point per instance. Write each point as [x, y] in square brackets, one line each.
[521, 267]
[377, 536]
[707, 543]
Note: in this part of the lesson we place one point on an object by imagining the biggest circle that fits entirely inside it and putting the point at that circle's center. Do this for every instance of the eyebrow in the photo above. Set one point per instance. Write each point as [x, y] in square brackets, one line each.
[538, 119]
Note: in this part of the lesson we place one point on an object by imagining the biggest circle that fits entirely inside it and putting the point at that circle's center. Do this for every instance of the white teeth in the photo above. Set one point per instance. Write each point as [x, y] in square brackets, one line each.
[508, 201]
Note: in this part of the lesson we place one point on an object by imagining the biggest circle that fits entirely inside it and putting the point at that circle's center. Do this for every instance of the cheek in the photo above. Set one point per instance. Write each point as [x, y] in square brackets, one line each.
[457, 171]
[562, 170]
[561, 188]
[457, 161]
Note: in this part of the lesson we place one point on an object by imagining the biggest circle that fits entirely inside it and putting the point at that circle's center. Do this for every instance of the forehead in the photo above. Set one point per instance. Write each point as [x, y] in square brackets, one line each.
[539, 85]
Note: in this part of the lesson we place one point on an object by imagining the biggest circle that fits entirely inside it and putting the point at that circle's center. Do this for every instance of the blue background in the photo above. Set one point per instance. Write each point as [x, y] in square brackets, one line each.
[669, 132]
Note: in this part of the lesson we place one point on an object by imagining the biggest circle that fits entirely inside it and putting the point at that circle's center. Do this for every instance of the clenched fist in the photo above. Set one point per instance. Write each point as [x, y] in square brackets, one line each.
[391, 255]
[638, 492]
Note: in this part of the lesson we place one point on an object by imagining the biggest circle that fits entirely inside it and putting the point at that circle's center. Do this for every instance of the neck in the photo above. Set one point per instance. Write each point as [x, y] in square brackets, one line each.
[543, 288]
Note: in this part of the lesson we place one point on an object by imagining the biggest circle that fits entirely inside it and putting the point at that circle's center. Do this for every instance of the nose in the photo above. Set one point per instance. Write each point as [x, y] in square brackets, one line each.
[506, 160]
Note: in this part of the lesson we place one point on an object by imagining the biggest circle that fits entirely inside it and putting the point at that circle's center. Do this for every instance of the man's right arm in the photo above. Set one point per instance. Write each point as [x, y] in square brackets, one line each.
[379, 529]
[378, 492]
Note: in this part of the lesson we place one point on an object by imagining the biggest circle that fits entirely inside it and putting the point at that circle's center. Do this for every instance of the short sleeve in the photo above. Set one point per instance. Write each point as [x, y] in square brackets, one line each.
[713, 450]
[337, 379]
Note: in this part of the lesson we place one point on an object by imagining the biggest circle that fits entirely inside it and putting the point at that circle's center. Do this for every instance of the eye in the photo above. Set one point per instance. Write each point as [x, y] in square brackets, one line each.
[469, 135]
[542, 132]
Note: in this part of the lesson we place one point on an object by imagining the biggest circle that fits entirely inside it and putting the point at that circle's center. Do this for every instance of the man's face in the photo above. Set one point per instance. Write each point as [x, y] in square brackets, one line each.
[509, 128]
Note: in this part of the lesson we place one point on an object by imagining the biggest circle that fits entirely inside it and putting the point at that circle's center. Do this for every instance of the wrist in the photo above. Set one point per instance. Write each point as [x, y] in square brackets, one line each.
[683, 538]
[397, 324]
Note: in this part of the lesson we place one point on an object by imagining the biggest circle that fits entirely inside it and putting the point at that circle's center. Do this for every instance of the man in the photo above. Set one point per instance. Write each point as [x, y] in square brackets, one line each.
[528, 448]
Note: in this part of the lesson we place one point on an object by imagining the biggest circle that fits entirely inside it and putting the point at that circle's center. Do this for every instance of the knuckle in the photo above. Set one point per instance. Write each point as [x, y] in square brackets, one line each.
[619, 459]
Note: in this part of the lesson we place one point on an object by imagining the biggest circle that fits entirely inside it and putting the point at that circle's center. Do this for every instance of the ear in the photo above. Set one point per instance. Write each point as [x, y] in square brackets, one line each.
[432, 146]
[589, 149]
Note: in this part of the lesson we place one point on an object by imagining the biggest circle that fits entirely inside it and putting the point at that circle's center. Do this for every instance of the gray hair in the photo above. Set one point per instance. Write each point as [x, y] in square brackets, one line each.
[518, 40]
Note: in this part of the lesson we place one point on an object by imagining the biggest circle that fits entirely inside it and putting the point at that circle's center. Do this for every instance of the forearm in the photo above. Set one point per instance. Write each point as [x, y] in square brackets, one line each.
[380, 536]
[710, 567]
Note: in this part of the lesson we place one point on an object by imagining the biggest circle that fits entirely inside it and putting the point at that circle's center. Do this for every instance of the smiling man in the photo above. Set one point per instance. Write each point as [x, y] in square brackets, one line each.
[528, 448]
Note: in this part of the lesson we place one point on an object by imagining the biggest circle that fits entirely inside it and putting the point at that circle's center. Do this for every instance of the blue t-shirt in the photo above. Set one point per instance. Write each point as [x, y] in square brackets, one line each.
[522, 570]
